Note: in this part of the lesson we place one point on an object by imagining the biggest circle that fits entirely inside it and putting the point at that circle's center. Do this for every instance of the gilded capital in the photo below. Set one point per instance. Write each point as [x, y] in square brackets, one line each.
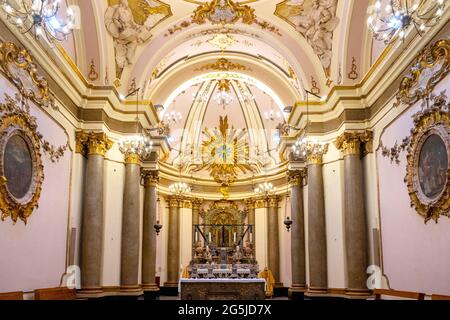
[132, 158]
[295, 178]
[88, 143]
[196, 203]
[315, 156]
[273, 201]
[250, 203]
[350, 142]
[149, 178]
[174, 202]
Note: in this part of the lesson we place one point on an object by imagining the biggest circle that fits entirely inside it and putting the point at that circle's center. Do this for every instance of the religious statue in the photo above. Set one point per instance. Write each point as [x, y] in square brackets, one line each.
[315, 20]
[126, 32]
[248, 250]
[237, 256]
[199, 251]
[208, 255]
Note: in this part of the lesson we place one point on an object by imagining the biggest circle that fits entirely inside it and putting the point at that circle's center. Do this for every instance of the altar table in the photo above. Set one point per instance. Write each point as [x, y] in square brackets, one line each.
[222, 289]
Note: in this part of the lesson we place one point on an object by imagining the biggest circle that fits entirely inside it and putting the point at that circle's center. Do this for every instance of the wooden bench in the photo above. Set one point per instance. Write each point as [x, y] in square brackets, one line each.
[11, 296]
[61, 293]
[439, 297]
[398, 294]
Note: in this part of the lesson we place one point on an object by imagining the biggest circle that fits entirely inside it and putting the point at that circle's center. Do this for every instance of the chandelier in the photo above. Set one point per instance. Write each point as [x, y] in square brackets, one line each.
[179, 188]
[265, 188]
[138, 144]
[174, 117]
[40, 17]
[224, 97]
[305, 146]
[399, 15]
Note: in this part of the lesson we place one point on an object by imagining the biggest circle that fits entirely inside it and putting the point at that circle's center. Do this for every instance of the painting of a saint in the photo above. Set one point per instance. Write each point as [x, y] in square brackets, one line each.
[18, 166]
[433, 166]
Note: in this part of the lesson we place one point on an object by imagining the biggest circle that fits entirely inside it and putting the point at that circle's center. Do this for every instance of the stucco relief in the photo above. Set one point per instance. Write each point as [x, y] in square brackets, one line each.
[130, 22]
[315, 20]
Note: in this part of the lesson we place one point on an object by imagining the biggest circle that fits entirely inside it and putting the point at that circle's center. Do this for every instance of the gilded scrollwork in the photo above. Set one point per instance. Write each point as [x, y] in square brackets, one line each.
[431, 66]
[394, 152]
[428, 170]
[21, 168]
[18, 66]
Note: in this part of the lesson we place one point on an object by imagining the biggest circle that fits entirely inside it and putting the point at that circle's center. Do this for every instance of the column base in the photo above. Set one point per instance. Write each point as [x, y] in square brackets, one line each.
[317, 292]
[358, 293]
[93, 292]
[170, 284]
[297, 292]
[151, 287]
[133, 290]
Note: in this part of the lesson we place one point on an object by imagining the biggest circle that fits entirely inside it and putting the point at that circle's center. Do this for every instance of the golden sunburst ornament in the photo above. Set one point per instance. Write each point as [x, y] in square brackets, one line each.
[225, 153]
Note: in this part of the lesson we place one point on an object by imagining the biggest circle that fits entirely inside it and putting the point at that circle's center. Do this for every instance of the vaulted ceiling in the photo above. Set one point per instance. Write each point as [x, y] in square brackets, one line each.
[177, 50]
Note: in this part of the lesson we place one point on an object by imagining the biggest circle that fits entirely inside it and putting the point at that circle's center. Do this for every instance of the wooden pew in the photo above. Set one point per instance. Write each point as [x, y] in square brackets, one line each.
[439, 297]
[398, 294]
[61, 293]
[11, 296]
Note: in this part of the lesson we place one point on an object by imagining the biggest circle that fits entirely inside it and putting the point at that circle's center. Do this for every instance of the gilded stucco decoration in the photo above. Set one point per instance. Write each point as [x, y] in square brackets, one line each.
[225, 153]
[21, 168]
[223, 64]
[428, 161]
[431, 66]
[223, 12]
[19, 67]
[130, 23]
[428, 158]
[316, 21]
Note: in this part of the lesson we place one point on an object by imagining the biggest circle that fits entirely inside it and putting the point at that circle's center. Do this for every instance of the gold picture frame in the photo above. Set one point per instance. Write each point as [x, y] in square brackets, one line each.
[15, 201]
[428, 163]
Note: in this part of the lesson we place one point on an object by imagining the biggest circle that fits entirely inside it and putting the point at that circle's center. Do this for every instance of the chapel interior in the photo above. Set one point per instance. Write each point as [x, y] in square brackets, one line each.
[222, 149]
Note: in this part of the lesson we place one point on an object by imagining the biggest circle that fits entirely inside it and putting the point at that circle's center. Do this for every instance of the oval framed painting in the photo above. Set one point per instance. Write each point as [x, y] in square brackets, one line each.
[428, 171]
[21, 170]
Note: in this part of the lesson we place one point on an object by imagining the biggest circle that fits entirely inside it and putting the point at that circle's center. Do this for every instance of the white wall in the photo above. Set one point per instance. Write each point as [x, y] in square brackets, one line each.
[416, 256]
[34, 255]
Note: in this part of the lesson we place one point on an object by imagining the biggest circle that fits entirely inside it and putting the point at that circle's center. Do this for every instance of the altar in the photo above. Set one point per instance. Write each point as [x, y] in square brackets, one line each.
[222, 289]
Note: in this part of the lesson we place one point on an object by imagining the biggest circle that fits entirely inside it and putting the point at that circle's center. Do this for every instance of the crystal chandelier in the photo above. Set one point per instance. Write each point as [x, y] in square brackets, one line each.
[138, 144]
[265, 188]
[224, 97]
[399, 15]
[305, 146]
[174, 117]
[40, 17]
[179, 188]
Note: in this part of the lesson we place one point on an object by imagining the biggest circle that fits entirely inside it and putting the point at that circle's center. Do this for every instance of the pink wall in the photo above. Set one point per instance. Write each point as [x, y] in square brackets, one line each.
[416, 256]
[33, 256]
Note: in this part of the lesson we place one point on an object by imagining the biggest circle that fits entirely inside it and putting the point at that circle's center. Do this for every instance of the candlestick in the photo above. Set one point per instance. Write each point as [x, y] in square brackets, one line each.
[251, 237]
[210, 237]
[196, 236]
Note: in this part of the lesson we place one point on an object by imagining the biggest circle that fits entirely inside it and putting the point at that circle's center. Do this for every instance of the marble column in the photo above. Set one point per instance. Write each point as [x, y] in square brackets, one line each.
[273, 241]
[251, 220]
[150, 179]
[94, 146]
[356, 254]
[298, 256]
[196, 203]
[317, 237]
[173, 245]
[129, 266]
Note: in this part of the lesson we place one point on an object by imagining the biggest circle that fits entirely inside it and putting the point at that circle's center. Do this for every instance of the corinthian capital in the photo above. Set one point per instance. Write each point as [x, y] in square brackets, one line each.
[149, 178]
[350, 142]
[88, 143]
